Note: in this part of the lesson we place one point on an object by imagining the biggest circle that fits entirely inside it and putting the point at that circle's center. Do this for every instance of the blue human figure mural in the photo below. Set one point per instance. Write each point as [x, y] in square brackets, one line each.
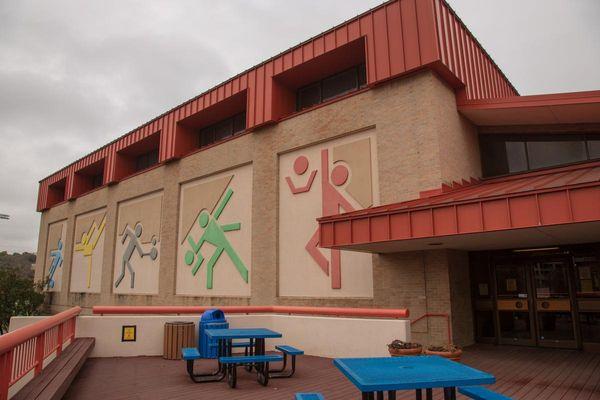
[57, 259]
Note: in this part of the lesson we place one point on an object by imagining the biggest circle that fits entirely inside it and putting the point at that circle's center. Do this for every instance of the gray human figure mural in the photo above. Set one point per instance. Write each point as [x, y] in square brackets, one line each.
[133, 245]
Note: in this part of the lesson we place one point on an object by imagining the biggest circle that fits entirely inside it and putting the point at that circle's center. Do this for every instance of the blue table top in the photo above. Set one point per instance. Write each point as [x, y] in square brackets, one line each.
[405, 373]
[243, 333]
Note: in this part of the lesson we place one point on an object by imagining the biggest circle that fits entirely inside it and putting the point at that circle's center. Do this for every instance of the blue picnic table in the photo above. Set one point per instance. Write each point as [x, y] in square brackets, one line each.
[256, 336]
[224, 338]
[388, 374]
[241, 333]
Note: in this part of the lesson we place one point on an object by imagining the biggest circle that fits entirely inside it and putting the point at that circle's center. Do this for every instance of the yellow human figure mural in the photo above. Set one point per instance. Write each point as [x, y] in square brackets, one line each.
[88, 243]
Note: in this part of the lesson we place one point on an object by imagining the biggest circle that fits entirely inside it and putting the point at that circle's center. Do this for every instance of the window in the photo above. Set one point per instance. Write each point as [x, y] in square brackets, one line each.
[146, 160]
[509, 154]
[331, 87]
[594, 148]
[97, 180]
[309, 96]
[545, 153]
[590, 326]
[222, 130]
[588, 274]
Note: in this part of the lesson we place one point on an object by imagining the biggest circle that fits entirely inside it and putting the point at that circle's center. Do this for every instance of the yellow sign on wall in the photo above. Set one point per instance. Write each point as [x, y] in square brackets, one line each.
[128, 333]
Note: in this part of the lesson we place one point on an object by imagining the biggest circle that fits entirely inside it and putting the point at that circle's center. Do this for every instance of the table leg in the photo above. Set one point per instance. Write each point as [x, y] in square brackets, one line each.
[259, 351]
[429, 394]
[250, 351]
[418, 394]
[379, 395]
[391, 395]
[449, 393]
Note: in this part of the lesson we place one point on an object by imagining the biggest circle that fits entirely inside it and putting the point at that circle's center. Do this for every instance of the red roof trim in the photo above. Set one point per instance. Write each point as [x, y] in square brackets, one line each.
[540, 100]
[559, 196]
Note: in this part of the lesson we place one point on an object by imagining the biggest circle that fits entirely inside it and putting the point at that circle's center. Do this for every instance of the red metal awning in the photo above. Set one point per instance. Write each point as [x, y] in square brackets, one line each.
[555, 108]
[556, 206]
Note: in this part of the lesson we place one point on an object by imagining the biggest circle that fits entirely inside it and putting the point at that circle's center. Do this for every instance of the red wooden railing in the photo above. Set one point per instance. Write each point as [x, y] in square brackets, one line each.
[439, 315]
[329, 311]
[26, 348]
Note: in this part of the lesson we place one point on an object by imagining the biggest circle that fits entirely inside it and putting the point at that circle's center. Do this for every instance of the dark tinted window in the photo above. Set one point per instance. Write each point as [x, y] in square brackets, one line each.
[548, 153]
[362, 75]
[590, 326]
[493, 154]
[340, 84]
[516, 156]
[239, 123]
[146, 160]
[333, 86]
[594, 148]
[508, 154]
[207, 136]
[97, 180]
[587, 267]
[309, 96]
[223, 129]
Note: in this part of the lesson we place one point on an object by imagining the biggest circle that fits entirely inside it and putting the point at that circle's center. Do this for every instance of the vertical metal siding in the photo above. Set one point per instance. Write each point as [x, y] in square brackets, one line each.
[466, 59]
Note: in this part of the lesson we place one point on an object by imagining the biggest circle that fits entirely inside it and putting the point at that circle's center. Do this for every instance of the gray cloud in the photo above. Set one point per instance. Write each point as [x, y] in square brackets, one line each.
[74, 75]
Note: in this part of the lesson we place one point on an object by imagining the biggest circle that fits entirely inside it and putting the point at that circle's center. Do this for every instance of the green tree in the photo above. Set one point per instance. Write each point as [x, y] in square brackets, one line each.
[21, 263]
[18, 296]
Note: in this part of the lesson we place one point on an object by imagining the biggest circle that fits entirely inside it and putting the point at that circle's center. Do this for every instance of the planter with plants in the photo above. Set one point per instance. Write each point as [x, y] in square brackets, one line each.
[399, 348]
[451, 351]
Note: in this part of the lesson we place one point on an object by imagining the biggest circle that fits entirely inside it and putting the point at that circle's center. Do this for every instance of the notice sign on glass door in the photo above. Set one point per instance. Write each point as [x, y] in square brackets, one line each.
[483, 289]
[543, 293]
[511, 285]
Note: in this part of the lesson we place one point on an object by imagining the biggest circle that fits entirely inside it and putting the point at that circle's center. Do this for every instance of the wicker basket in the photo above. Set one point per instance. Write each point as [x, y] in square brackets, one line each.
[405, 352]
[452, 355]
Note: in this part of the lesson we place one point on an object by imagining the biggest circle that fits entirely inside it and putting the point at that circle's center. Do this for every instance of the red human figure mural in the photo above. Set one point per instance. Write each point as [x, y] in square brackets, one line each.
[332, 202]
[300, 167]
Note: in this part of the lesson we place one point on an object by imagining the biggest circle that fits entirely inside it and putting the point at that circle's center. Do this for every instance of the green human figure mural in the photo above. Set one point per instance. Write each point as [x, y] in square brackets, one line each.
[214, 233]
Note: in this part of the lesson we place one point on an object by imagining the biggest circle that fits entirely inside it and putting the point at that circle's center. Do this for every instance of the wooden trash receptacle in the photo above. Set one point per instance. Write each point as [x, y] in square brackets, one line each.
[178, 335]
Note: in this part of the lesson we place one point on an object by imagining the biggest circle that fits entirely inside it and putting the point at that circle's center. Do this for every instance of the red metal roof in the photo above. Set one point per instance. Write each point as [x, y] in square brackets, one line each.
[559, 108]
[397, 37]
[557, 196]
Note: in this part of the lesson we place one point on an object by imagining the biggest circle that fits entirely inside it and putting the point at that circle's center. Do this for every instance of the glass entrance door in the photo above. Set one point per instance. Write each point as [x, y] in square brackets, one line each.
[555, 319]
[514, 303]
[538, 297]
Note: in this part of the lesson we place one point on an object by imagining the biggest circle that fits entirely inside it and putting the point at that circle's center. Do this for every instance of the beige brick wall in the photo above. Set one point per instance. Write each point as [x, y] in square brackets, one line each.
[421, 142]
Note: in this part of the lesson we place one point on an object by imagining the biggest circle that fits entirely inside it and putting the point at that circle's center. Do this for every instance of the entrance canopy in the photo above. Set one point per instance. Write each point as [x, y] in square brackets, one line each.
[550, 207]
[559, 108]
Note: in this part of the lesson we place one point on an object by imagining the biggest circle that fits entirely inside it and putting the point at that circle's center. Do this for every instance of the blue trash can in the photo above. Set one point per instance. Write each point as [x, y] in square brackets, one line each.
[211, 319]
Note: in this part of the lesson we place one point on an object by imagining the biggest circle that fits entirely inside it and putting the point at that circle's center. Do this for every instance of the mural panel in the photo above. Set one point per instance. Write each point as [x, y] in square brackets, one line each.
[325, 179]
[55, 247]
[88, 250]
[215, 235]
[137, 244]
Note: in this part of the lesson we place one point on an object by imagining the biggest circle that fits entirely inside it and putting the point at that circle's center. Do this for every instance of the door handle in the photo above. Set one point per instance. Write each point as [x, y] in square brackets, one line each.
[519, 304]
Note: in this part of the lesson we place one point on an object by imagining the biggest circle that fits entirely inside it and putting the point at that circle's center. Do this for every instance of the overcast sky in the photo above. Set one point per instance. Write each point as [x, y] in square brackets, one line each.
[76, 74]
